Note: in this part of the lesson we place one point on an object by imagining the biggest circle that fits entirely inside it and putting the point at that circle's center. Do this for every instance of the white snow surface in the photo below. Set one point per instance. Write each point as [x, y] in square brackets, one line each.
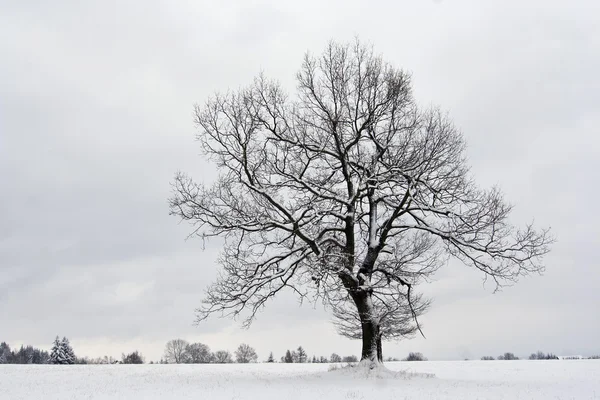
[466, 380]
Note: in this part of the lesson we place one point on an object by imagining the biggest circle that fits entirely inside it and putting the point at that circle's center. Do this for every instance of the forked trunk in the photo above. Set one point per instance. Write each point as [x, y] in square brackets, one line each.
[371, 336]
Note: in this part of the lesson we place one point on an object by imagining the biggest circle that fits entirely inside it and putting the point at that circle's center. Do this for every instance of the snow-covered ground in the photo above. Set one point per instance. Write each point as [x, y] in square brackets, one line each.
[465, 380]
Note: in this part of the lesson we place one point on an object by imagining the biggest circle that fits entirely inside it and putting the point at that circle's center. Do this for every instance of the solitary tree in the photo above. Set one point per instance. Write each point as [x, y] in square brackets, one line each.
[328, 193]
[176, 351]
[245, 354]
[271, 359]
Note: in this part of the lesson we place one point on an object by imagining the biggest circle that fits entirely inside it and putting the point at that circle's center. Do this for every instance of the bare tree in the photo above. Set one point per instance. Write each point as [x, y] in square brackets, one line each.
[176, 351]
[324, 194]
[198, 353]
[222, 357]
[245, 354]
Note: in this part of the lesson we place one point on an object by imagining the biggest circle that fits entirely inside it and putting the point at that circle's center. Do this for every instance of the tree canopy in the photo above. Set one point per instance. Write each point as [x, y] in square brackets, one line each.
[348, 192]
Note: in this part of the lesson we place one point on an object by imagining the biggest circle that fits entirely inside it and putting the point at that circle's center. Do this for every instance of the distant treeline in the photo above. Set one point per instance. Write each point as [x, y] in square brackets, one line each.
[540, 355]
[179, 351]
[300, 356]
[61, 353]
[25, 355]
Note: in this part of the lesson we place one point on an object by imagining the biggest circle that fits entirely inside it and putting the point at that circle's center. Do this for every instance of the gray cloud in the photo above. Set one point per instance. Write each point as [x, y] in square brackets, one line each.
[95, 118]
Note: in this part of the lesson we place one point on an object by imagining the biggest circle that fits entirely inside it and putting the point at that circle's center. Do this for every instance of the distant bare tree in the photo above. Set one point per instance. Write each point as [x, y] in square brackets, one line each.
[103, 360]
[245, 354]
[176, 351]
[198, 353]
[222, 357]
[324, 194]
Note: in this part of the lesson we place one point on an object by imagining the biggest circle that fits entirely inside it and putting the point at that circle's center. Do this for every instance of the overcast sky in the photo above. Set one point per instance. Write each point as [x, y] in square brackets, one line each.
[96, 117]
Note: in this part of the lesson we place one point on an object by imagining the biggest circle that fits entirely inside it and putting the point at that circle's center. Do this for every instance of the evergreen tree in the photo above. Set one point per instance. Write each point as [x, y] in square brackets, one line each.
[24, 355]
[301, 355]
[271, 359]
[68, 351]
[288, 357]
[5, 354]
[57, 355]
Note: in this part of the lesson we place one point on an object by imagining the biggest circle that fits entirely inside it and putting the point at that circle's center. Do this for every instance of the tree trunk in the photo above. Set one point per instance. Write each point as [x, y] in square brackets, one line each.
[371, 337]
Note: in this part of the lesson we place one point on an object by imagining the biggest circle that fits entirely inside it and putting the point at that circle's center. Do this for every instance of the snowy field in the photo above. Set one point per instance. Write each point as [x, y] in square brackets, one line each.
[465, 380]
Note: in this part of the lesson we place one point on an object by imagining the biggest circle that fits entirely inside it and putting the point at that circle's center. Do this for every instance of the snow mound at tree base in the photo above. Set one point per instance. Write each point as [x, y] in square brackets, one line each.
[371, 370]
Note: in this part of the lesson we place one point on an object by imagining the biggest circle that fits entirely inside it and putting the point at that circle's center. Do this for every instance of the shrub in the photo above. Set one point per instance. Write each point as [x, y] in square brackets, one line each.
[508, 356]
[541, 356]
[415, 357]
[350, 359]
[132, 358]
